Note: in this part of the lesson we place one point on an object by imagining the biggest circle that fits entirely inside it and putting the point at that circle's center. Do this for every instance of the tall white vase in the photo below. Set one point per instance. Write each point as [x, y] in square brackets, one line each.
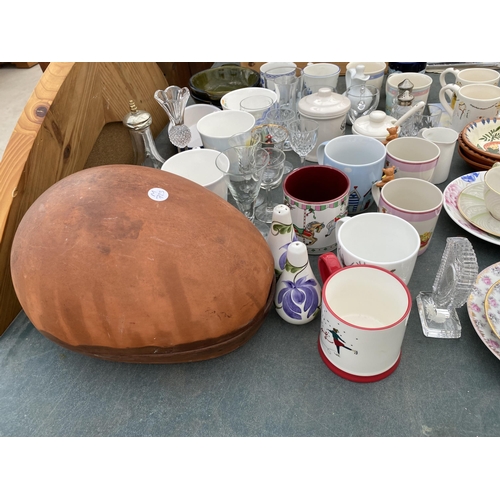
[298, 293]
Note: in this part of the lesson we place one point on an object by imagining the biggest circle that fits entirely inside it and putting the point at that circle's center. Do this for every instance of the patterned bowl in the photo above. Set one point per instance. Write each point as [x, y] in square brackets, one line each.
[483, 136]
[474, 154]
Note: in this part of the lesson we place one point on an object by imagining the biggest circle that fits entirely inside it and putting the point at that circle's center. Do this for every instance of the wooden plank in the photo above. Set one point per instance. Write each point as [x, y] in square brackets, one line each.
[56, 134]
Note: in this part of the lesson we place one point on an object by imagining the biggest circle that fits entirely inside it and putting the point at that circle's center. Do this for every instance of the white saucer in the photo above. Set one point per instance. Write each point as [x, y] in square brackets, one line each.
[472, 207]
[451, 194]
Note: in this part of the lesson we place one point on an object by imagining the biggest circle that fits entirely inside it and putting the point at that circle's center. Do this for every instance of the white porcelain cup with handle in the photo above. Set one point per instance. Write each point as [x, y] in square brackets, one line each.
[468, 76]
[472, 102]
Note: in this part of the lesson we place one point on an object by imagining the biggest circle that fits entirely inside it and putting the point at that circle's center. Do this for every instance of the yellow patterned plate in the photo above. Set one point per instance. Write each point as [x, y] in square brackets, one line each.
[471, 205]
[492, 308]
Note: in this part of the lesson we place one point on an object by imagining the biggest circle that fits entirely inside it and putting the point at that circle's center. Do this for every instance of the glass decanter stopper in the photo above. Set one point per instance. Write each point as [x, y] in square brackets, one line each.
[455, 278]
[139, 122]
[174, 100]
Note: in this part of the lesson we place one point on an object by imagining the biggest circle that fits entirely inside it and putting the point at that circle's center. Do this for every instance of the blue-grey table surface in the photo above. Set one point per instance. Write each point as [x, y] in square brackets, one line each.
[274, 385]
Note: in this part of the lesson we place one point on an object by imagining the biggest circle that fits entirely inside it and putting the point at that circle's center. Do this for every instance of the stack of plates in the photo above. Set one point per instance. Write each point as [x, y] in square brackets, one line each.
[479, 143]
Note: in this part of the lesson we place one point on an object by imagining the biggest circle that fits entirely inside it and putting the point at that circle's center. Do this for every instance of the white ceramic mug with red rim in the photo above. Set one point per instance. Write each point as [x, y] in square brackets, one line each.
[412, 157]
[364, 314]
[414, 200]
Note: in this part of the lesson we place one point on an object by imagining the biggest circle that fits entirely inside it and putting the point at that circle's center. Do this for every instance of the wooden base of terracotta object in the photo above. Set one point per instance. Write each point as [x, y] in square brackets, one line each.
[104, 266]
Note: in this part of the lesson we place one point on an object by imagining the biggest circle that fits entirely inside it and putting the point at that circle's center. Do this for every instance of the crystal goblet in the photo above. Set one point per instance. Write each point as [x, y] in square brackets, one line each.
[303, 136]
[242, 168]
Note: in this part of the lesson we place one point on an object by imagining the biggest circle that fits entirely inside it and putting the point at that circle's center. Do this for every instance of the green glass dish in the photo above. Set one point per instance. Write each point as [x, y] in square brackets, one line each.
[210, 85]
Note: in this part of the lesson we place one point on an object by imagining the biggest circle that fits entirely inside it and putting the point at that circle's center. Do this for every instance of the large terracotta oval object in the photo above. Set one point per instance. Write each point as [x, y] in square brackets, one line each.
[133, 264]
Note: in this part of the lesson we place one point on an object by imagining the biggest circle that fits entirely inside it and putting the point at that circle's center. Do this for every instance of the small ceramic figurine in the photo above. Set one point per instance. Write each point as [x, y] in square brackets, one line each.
[393, 134]
[298, 293]
[387, 176]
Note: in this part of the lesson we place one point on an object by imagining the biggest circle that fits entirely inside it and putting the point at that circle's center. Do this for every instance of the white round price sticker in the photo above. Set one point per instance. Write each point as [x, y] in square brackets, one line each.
[158, 194]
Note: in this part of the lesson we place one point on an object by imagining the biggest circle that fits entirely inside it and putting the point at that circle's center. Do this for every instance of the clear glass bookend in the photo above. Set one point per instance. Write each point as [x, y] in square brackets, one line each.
[455, 278]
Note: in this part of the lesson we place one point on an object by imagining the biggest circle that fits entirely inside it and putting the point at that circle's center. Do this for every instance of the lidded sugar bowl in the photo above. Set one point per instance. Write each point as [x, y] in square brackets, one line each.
[330, 110]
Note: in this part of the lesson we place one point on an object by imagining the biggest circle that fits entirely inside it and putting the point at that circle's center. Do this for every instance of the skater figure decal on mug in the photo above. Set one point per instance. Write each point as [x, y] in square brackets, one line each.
[332, 335]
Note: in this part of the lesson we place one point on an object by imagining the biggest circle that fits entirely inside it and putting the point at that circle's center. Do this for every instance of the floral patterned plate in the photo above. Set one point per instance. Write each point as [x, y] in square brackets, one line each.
[483, 135]
[451, 194]
[492, 308]
[476, 307]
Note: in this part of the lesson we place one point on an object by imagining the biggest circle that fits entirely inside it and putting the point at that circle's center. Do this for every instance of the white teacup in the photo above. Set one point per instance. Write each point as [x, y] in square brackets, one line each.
[192, 115]
[216, 129]
[375, 70]
[492, 190]
[421, 87]
[375, 238]
[320, 75]
[414, 200]
[364, 314]
[232, 100]
[473, 101]
[469, 76]
[412, 157]
[198, 165]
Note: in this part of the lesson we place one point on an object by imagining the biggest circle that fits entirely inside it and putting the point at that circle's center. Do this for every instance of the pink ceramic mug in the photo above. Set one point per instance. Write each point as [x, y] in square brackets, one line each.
[417, 201]
[412, 157]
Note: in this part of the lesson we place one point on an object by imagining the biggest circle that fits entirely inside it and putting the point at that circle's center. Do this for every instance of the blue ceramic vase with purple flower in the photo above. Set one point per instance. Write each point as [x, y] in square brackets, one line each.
[298, 293]
[281, 234]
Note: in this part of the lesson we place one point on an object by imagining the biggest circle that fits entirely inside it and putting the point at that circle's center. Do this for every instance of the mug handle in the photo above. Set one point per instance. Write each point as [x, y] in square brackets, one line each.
[442, 96]
[327, 265]
[376, 193]
[320, 152]
[442, 77]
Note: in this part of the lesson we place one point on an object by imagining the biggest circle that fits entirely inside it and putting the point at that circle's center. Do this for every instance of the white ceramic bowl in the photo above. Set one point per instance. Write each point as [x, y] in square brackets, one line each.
[233, 99]
[198, 165]
[192, 115]
[216, 129]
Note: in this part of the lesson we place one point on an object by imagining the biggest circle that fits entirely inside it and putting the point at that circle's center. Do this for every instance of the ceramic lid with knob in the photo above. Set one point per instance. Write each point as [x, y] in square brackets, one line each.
[324, 104]
[374, 125]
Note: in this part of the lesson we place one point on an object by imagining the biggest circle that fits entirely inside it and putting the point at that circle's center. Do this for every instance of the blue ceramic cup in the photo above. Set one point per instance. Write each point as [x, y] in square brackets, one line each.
[362, 159]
